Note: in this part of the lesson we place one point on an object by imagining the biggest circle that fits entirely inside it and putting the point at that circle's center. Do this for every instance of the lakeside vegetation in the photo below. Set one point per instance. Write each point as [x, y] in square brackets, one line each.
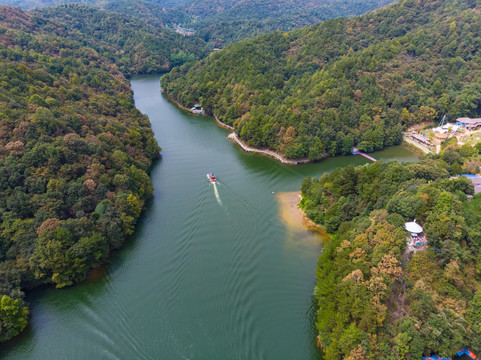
[375, 298]
[322, 89]
[75, 155]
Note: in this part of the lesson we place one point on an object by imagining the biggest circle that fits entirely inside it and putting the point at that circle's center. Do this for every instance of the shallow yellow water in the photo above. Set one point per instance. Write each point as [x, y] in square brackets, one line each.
[300, 231]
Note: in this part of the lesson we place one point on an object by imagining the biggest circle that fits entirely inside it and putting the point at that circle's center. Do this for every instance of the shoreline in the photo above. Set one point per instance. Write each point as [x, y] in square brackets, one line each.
[407, 142]
[269, 153]
[413, 148]
[291, 201]
[239, 142]
[223, 125]
[307, 219]
[220, 123]
[171, 99]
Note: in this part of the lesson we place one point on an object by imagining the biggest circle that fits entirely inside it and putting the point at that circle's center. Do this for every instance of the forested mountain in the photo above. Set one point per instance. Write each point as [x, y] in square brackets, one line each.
[149, 12]
[74, 160]
[136, 47]
[322, 89]
[34, 4]
[378, 299]
[223, 22]
[155, 12]
[263, 9]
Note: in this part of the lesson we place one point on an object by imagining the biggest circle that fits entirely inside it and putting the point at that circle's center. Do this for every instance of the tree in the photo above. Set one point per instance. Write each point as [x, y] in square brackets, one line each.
[426, 114]
[316, 151]
[44, 118]
[13, 317]
[474, 316]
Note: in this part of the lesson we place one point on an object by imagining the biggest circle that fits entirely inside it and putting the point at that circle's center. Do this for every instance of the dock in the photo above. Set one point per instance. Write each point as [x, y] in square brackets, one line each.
[355, 151]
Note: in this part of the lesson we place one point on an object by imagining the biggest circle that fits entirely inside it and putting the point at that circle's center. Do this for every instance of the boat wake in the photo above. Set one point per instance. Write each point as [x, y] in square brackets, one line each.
[216, 193]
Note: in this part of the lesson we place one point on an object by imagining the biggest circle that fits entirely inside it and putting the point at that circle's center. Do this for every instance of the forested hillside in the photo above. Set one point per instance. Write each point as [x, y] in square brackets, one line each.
[34, 4]
[222, 22]
[376, 298]
[74, 160]
[155, 12]
[264, 9]
[136, 47]
[322, 89]
[150, 12]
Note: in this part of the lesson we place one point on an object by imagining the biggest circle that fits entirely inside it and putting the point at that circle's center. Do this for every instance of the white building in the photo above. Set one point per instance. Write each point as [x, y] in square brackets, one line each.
[416, 233]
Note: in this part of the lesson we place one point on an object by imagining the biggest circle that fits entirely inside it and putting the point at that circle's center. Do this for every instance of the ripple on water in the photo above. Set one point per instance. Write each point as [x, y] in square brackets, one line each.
[199, 280]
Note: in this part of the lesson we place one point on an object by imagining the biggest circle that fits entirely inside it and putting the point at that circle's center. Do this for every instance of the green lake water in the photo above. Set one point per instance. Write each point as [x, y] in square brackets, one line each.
[207, 275]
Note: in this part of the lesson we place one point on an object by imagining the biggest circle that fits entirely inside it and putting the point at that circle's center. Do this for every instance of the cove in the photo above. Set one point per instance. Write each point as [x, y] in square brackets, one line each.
[203, 277]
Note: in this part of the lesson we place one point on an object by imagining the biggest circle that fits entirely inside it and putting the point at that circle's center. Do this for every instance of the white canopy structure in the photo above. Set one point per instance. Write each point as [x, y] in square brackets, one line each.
[413, 227]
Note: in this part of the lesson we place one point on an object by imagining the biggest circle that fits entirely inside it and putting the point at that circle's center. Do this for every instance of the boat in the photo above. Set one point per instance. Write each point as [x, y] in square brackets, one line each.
[211, 177]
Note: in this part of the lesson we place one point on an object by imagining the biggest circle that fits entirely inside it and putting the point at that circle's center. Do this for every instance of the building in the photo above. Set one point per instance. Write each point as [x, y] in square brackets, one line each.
[185, 32]
[416, 233]
[197, 109]
[476, 181]
[469, 123]
[445, 131]
[420, 138]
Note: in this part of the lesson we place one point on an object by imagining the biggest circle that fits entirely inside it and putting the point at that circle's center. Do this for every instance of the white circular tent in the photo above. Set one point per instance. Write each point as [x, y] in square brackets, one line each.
[413, 227]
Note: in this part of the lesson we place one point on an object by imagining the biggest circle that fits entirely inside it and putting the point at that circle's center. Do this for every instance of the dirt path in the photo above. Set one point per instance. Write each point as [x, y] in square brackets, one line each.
[221, 124]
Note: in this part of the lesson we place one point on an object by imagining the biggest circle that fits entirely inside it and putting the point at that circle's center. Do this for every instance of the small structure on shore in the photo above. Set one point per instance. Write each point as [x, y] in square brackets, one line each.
[416, 234]
[197, 109]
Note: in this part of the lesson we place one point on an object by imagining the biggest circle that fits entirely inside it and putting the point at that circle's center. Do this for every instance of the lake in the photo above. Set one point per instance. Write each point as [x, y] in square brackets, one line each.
[213, 272]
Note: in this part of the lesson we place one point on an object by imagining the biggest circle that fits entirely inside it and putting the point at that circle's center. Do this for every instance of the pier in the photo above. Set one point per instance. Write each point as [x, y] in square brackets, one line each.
[355, 151]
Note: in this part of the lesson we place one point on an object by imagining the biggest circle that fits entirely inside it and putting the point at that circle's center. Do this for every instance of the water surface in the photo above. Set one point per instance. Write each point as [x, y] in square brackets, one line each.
[204, 277]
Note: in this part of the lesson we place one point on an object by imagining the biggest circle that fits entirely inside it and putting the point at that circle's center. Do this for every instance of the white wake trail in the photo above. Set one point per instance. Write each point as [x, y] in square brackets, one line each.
[216, 192]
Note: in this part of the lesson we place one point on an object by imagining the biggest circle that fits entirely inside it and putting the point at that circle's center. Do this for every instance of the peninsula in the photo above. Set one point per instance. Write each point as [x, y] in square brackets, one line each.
[415, 288]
